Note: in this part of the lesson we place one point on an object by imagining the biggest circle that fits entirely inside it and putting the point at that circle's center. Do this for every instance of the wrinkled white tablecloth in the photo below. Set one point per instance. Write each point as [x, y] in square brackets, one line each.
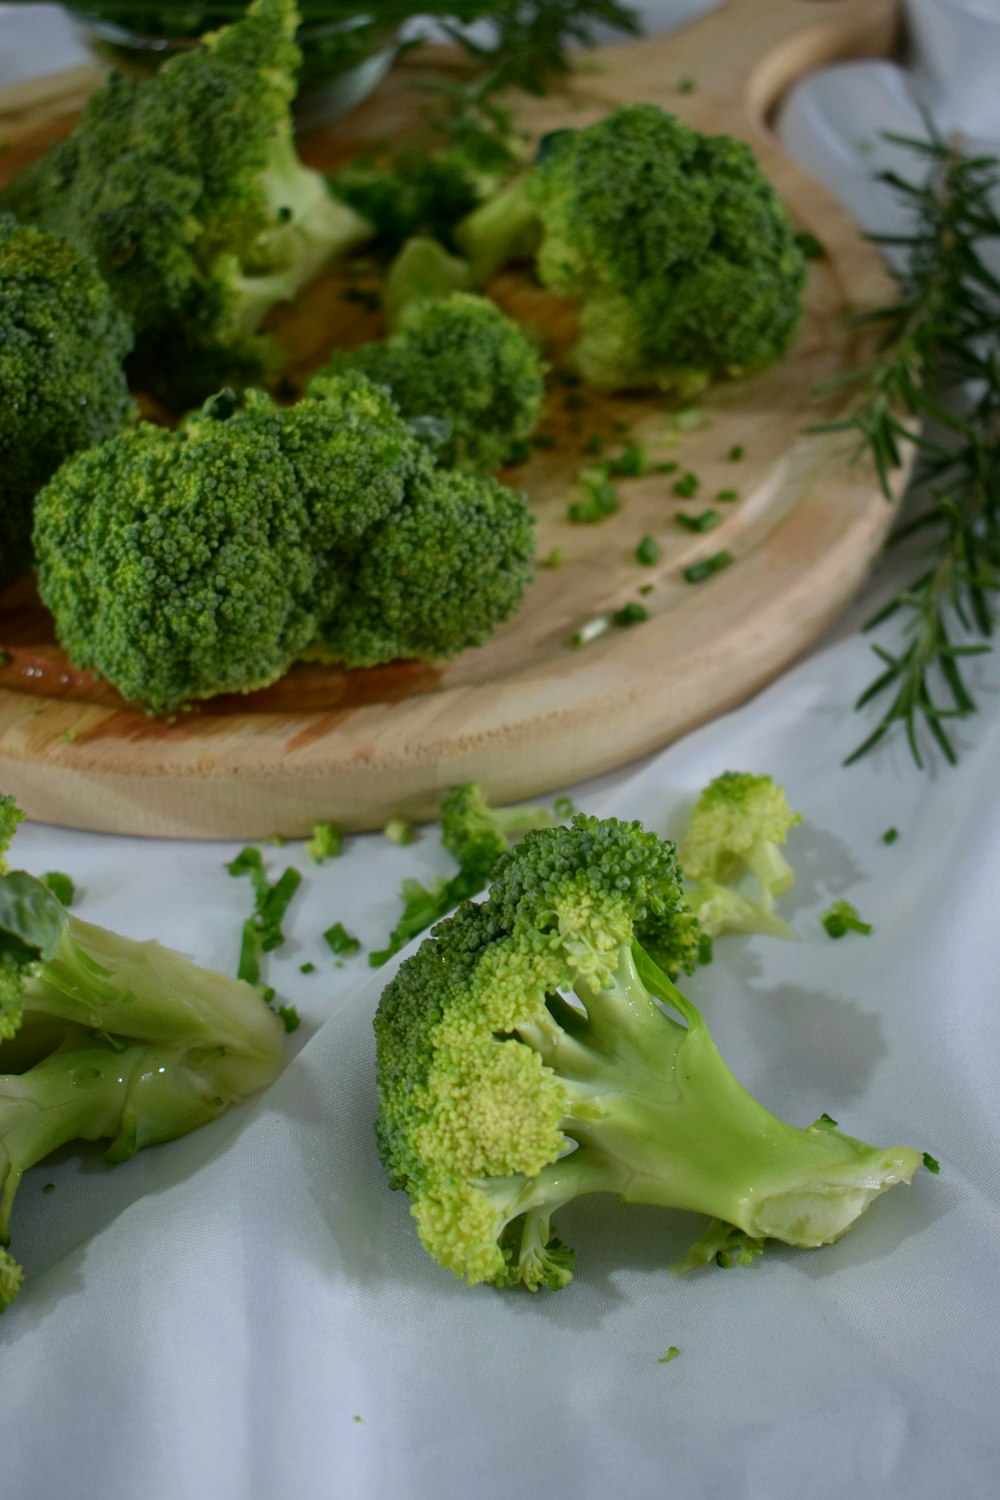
[247, 1313]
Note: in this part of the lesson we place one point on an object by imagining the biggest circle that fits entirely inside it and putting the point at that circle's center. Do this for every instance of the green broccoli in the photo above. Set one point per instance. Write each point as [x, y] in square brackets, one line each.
[842, 918]
[187, 189]
[674, 244]
[415, 195]
[105, 1038]
[736, 829]
[421, 270]
[460, 359]
[525, 1058]
[62, 386]
[180, 565]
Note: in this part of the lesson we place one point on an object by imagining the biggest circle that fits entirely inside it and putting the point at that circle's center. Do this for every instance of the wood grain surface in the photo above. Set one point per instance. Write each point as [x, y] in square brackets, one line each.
[528, 712]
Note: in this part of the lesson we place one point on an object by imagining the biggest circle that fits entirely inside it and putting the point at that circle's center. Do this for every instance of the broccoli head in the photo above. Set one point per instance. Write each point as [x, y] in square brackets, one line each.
[187, 189]
[105, 1038]
[415, 195]
[737, 827]
[460, 359]
[526, 1057]
[674, 244]
[62, 386]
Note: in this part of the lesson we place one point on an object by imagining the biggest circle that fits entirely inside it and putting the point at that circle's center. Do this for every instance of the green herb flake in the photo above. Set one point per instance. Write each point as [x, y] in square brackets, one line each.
[327, 842]
[931, 1163]
[699, 571]
[69, 735]
[687, 486]
[601, 499]
[727, 496]
[629, 464]
[842, 918]
[686, 86]
[736, 453]
[307, 968]
[555, 559]
[399, 831]
[707, 521]
[290, 1018]
[339, 940]
[671, 1353]
[825, 1122]
[61, 887]
[890, 836]
[811, 247]
[648, 551]
[669, 467]
[647, 588]
[630, 614]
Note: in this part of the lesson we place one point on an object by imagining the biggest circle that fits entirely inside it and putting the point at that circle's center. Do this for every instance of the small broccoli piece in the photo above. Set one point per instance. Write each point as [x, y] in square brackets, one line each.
[462, 360]
[841, 918]
[422, 269]
[736, 828]
[327, 842]
[187, 189]
[399, 831]
[62, 346]
[674, 244]
[415, 196]
[437, 577]
[102, 1037]
[525, 1058]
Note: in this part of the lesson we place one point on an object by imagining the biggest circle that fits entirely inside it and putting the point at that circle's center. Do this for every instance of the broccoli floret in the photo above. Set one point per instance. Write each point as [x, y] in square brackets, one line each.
[842, 918]
[327, 842]
[105, 1038]
[62, 386]
[737, 827]
[460, 359]
[438, 576]
[422, 269]
[425, 196]
[525, 1058]
[674, 243]
[187, 189]
[180, 565]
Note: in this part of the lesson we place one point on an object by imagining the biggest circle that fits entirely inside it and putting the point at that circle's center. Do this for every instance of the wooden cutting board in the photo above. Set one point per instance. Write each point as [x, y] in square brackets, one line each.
[528, 712]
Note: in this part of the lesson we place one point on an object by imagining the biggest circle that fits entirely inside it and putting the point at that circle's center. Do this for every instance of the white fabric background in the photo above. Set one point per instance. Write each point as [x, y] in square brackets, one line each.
[210, 1319]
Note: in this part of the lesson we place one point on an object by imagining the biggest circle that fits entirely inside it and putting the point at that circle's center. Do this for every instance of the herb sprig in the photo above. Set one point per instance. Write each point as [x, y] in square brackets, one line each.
[938, 364]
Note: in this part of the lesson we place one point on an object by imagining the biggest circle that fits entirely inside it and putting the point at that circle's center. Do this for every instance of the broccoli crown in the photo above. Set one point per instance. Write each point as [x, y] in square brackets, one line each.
[438, 576]
[736, 828]
[102, 1037]
[184, 564]
[62, 387]
[674, 243]
[187, 190]
[459, 358]
[501, 1098]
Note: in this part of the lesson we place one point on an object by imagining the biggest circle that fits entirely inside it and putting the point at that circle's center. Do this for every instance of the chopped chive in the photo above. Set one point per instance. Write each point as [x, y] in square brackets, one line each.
[699, 571]
[735, 453]
[687, 485]
[727, 495]
[327, 842]
[707, 521]
[308, 968]
[686, 85]
[590, 630]
[670, 467]
[890, 836]
[630, 614]
[339, 940]
[671, 1353]
[931, 1163]
[290, 1018]
[630, 462]
[648, 551]
[601, 499]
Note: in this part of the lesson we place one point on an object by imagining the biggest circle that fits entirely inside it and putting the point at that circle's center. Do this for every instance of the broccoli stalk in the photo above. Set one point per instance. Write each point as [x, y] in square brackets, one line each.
[505, 228]
[106, 1038]
[501, 1099]
[422, 269]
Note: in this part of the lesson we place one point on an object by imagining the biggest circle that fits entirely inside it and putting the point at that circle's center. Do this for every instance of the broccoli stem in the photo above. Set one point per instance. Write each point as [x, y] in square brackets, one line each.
[766, 861]
[721, 908]
[659, 1119]
[504, 228]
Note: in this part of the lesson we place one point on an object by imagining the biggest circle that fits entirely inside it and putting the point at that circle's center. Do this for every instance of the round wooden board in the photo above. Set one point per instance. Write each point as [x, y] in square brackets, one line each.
[528, 712]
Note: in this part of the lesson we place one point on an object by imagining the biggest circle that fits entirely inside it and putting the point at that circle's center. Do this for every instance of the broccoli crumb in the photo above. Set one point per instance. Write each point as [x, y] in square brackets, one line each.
[630, 614]
[399, 831]
[69, 735]
[648, 551]
[931, 1163]
[647, 588]
[671, 1353]
[842, 918]
[705, 522]
[339, 940]
[726, 496]
[61, 887]
[601, 499]
[327, 842]
[686, 85]
[699, 571]
[735, 453]
[630, 463]
[890, 836]
[687, 486]
[307, 968]
[670, 466]
[555, 559]
[290, 1018]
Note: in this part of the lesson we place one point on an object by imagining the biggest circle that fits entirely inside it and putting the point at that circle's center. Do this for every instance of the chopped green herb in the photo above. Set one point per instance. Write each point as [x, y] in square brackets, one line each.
[647, 588]
[339, 940]
[307, 968]
[811, 247]
[630, 614]
[671, 1353]
[931, 1163]
[699, 571]
[69, 735]
[842, 918]
[705, 949]
[590, 630]
[825, 1122]
[327, 842]
[262, 932]
[890, 836]
[687, 485]
[670, 467]
[399, 831]
[735, 453]
[61, 887]
[648, 551]
[686, 86]
[544, 440]
[630, 463]
[601, 498]
[727, 495]
[707, 521]
[290, 1018]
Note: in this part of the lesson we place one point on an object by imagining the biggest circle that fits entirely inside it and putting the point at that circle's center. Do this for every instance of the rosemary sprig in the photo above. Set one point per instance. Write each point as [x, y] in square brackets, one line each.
[935, 384]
